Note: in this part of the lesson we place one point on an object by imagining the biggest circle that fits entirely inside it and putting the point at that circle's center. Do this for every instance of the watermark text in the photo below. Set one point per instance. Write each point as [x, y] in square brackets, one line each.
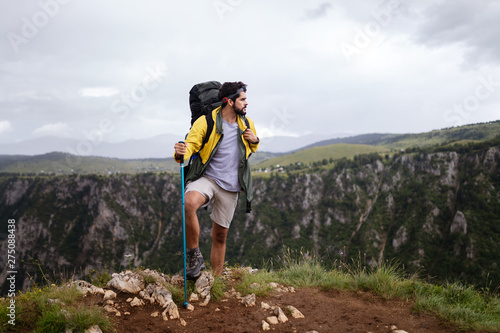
[364, 37]
[11, 271]
[31, 27]
[458, 113]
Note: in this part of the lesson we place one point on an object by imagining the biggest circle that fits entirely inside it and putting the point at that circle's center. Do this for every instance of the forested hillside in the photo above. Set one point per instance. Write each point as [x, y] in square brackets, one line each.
[435, 211]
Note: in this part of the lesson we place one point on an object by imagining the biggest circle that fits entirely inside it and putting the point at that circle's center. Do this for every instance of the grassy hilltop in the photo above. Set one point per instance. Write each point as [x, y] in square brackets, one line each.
[53, 308]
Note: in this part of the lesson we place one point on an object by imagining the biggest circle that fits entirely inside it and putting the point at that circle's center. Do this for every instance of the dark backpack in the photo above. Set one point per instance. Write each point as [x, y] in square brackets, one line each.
[203, 99]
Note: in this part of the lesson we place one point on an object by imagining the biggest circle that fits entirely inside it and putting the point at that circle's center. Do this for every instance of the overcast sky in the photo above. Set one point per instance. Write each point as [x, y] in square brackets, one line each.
[118, 70]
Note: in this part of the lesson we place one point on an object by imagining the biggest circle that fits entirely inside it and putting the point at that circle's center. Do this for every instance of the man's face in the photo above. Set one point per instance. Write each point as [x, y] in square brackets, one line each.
[240, 105]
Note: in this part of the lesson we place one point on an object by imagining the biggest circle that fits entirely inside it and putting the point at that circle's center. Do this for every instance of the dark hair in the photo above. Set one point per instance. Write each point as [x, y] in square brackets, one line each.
[229, 89]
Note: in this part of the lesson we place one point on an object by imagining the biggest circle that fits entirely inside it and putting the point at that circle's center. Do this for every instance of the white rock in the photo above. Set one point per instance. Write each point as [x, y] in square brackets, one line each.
[204, 284]
[128, 282]
[273, 285]
[159, 277]
[248, 300]
[93, 329]
[399, 331]
[294, 312]
[190, 307]
[109, 294]
[157, 294]
[205, 302]
[251, 270]
[273, 320]
[137, 302]
[281, 315]
[193, 297]
[85, 287]
[265, 326]
[183, 322]
[173, 311]
[108, 308]
[177, 280]
[155, 314]
[232, 293]
[264, 306]
[459, 223]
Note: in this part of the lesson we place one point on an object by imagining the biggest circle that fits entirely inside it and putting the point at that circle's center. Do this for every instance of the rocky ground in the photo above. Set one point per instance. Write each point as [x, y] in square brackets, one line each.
[134, 307]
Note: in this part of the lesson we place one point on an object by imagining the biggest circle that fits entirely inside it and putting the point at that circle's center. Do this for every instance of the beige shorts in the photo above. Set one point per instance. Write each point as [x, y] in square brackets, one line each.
[224, 201]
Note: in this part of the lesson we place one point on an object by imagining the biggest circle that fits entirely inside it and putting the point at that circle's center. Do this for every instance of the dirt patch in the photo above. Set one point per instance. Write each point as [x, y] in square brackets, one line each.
[324, 312]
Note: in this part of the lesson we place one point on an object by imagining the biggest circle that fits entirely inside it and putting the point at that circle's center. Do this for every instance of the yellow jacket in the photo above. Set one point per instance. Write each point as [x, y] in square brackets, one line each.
[195, 137]
[198, 160]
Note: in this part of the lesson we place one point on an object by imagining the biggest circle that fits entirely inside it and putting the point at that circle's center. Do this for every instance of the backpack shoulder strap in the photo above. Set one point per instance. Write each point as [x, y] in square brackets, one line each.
[210, 126]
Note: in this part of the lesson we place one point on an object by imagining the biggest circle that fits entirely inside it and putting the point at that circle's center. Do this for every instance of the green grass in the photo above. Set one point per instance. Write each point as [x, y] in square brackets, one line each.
[463, 306]
[462, 134]
[98, 278]
[257, 284]
[178, 292]
[63, 163]
[83, 318]
[52, 309]
[335, 152]
[52, 319]
[218, 289]
[460, 305]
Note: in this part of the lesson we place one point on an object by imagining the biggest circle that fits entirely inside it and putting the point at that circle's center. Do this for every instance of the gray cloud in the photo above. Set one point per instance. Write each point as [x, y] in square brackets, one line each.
[472, 24]
[318, 12]
[288, 53]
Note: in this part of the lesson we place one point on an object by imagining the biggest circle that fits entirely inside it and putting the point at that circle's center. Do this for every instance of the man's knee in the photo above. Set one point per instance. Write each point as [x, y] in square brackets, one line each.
[190, 205]
[193, 201]
[219, 236]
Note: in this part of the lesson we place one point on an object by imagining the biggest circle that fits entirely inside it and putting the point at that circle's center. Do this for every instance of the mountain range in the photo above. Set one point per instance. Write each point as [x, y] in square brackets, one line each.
[160, 146]
[267, 158]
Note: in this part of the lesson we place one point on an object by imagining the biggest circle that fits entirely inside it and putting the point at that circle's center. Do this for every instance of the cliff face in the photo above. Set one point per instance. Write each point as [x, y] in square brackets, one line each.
[74, 224]
[437, 213]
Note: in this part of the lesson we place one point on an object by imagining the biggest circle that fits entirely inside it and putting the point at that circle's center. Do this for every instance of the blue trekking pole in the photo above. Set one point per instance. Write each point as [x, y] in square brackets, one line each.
[183, 228]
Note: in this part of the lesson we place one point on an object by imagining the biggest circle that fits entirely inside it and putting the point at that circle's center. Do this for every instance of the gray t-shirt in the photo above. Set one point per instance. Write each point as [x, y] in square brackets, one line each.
[223, 167]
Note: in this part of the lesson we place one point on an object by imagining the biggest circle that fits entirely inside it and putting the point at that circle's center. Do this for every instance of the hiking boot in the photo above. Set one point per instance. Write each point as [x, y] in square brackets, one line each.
[195, 264]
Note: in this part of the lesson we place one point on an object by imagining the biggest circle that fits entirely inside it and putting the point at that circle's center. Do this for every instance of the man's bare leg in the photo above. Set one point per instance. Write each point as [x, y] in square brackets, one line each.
[193, 201]
[219, 235]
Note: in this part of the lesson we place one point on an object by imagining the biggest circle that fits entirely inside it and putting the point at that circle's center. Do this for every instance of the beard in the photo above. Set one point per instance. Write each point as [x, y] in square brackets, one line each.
[240, 112]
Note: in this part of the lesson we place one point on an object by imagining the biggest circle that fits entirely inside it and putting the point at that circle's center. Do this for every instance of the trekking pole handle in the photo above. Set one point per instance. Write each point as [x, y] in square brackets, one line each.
[181, 157]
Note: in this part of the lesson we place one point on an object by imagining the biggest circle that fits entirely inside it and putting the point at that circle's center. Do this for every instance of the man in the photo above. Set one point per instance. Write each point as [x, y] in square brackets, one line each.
[219, 173]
